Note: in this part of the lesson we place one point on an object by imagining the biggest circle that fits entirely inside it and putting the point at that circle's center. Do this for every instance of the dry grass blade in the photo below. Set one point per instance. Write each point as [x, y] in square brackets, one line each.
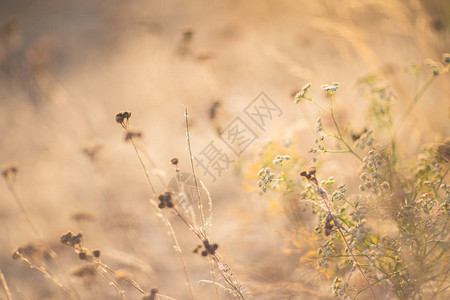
[5, 286]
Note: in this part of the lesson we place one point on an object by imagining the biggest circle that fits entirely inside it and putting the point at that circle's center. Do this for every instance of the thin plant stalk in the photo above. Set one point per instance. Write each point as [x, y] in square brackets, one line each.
[191, 158]
[5, 286]
[111, 282]
[12, 188]
[48, 275]
[166, 220]
[200, 205]
[339, 137]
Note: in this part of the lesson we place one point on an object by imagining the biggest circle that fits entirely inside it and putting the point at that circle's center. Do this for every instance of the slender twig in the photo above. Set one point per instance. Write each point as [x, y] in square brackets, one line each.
[5, 286]
[125, 125]
[130, 281]
[191, 158]
[9, 178]
[47, 274]
[416, 99]
[339, 131]
[111, 282]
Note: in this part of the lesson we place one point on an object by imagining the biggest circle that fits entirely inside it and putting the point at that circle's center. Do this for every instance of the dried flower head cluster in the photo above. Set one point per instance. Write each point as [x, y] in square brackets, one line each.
[165, 200]
[123, 117]
[330, 88]
[280, 158]
[31, 250]
[151, 295]
[209, 248]
[75, 241]
[9, 171]
[303, 94]
[71, 239]
[265, 178]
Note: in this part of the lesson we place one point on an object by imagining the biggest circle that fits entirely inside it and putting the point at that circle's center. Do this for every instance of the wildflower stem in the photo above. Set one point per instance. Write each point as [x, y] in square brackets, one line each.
[416, 99]
[130, 281]
[166, 220]
[147, 174]
[111, 282]
[379, 280]
[213, 275]
[12, 188]
[336, 151]
[47, 274]
[5, 286]
[339, 137]
[191, 158]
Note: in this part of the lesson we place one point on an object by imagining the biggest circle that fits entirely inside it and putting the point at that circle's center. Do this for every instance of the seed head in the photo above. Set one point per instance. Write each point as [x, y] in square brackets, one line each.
[96, 253]
[121, 117]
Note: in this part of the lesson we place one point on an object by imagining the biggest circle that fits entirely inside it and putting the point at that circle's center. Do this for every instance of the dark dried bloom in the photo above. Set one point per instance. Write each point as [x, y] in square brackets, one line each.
[96, 253]
[174, 161]
[446, 57]
[71, 239]
[209, 249]
[165, 200]
[310, 175]
[9, 170]
[328, 224]
[121, 117]
[83, 254]
[151, 295]
[16, 254]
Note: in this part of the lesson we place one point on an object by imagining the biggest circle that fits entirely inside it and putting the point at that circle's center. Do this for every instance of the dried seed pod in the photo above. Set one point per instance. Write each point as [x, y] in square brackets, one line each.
[328, 224]
[96, 253]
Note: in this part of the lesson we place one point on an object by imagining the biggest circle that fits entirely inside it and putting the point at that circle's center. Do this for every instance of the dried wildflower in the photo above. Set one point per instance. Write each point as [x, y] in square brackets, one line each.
[302, 94]
[330, 88]
[209, 249]
[9, 171]
[280, 158]
[446, 58]
[265, 178]
[83, 254]
[319, 125]
[123, 116]
[328, 224]
[31, 250]
[16, 254]
[165, 200]
[151, 295]
[310, 175]
[96, 253]
[174, 161]
[71, 239]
